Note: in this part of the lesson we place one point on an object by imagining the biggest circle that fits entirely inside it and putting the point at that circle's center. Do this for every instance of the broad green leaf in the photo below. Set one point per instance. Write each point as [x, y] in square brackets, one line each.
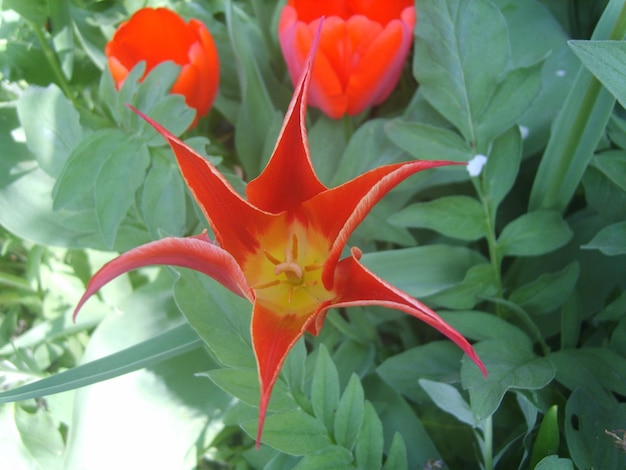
[327, 143]
[350, 412]
[325, 388]
[163, 199]
[460, 217]
[509, 366]
[593, 369]
[449, 61]
[438, 361]
[614, 310]
[553, 462]
[115, 184]
[396, 457]
[244, 384]
[548, 437]
[511, 98]
[449, 399]
[369, 443]
[221, 318]
[604, 196]
[613, 165]
[329, 458]
[40, 436]
[294, 432]
[479, 282]
[610, 240]
[586, 425]
[502, 167]
[51, 126]
[571, 322]
[577, 129]
[172, 343]
[606, 61]
[533, 234]
[480, 326]
[423, 270]
[548, 291]
[427, 142]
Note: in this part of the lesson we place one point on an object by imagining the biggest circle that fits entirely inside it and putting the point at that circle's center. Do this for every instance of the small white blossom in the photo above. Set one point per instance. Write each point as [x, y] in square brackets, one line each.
[475, 165]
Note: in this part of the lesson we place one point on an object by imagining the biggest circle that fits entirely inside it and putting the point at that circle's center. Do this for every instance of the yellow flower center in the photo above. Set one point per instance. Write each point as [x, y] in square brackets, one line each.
[286, 275]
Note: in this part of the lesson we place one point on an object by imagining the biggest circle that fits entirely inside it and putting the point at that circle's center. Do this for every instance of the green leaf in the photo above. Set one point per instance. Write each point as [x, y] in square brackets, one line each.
[221, 318]
[502, 167]
[548, 437]
[396, 458]
[480, 326]
[553, 462]
[607, 61]
[613, 165]
[369, 443]
[294, 432]
[586, 425]
[325, 388]
[427, 142]
[449, 61]
[115, 185]
[40, 436]
[511, 98]
[610, 240]
[449, 399]
[509, 366]
[460, 217]
[62, 35]
[329, 458]
[577, 129]
[535, 233]
[51, 126]
[438, 361]
[172, 343]
[423, 270]
[479, 282]
[548, 291]
[163, 199]
[350, 413]
[244, 384]
[327, 143]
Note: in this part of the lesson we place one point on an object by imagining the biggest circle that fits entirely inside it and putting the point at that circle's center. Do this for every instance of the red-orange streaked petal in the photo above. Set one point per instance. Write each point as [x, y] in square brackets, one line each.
[289, 178]
[236, 223]
[357, 286]
[338, 211]
[273, 336]
[196, 253]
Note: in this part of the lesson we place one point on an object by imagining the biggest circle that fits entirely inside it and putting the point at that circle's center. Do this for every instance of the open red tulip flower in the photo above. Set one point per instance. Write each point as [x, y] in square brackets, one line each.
[158, 35]
[281, 247]
[363, 48]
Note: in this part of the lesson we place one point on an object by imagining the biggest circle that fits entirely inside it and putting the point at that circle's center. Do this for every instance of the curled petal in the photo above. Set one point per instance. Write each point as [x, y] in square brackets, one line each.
[196, 253]
[338, 211]
[357, 286]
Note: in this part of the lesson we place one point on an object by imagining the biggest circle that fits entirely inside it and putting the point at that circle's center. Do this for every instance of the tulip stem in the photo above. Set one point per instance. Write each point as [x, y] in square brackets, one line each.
[53, 60]
[348, 127]
[488, 443]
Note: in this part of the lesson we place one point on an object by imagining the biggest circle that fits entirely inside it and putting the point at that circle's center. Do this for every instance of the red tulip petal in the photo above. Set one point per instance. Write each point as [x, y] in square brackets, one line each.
[338, 211]
[196, 253]
[236, 223]
[273, 336]
[289, 178]
[377, 72]
[357, 286]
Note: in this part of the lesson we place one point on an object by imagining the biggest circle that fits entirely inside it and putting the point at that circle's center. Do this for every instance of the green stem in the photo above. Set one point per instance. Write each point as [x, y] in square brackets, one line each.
[53, 60]
[348, 127]
[488, 447]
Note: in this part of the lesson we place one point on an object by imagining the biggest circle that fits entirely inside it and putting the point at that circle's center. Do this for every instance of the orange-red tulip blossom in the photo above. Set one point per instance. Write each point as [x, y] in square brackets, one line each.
[363, 47]
[280, 247]
[158, 35]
